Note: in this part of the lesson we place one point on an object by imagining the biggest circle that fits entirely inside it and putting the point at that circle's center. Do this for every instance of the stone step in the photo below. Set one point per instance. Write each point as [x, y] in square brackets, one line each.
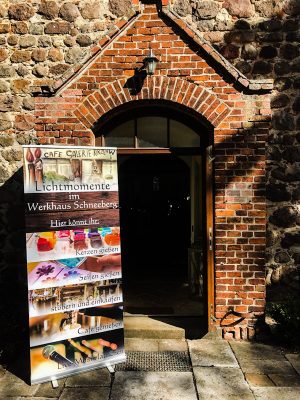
[149, 328]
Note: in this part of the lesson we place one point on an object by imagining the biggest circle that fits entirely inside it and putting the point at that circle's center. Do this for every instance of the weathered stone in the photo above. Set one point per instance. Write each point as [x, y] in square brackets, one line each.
[3, 55]
[293, 36]
[27, 41]
[45, 41]
[120, 7]
[265, 8]
[20, 27]
[291, 7]
[73, 55]
[249, 51]
[24, 122]
[241, 8]
[290, 239]
[58, 69]
[6, 141]
[282, 68]
[99, 26]
[91, 10]
[2, 11]
[277, 192]
[4, 175]
[12, 40]
[291, 154]
[205, 25]
[269, 37]
[84, 40]
[289, 51]
[239, 37]
[280, 101]
[282, 84]
[207, 353]
[268, 52]
[282, 393]
[21, 11]
[49, 9]
[230, 51]
[40, 71]
[10, 103]
[284, 217]
[272, 237]
[242, 24]
[20, 86]
[295, 67]
[206, 10]
[57, 28]
[28, 102]
[38, 55]
[259, 380]
[20, 56]
[213, 37]
[69, 41]
[4, 27]
[183, 7]
[22, 70]
[270, 25]
[262, 68]
[296, 104]
[4, 86]
[6, 71]
[2, 40]
[224, 25]
[58, 41]
[69, 12]
[283, 121]
[55, 55]
[99, 377]
[12, 155]
[244, 67]
[36, 29]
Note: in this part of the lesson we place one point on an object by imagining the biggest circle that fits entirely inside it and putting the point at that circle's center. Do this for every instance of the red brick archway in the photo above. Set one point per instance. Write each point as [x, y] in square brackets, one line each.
[176, 90]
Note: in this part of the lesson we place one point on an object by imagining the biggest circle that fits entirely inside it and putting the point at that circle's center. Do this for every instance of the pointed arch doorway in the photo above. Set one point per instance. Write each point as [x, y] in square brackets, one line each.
[166, 211]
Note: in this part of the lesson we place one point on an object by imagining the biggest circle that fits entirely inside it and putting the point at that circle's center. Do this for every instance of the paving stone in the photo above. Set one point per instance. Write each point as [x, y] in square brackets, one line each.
[294, 359]
[153, 386]
[46, 389]
[98, 377]
[276, 393]
[285, 380]
[136, 344]
[255, 351]
[208, 353]
[99, 393]
[172, 345]
[11, 386]
[266, 367]
[259, 380]
[215, 383]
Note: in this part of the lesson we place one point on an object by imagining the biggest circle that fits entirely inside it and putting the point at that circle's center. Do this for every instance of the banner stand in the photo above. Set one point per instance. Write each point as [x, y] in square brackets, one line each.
[74, 273]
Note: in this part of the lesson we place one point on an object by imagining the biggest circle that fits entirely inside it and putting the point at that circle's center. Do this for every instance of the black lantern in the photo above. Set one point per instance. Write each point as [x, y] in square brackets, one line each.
[150, 63]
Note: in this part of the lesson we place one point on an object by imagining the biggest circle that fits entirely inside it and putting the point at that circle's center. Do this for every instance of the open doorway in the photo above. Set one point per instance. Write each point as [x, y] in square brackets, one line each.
[163, 206]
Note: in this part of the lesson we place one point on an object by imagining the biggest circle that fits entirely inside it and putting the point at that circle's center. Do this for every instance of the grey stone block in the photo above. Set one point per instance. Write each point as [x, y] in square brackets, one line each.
[208, 353]
[215, 383]
[286, 380]
[98, 377]
[46, 389]
[294, 359]
[95, 393]
[137, 344]
[276, 393]
[256, 351]
[266, 367]
[153, 386]
[12, 386]
[172, 345]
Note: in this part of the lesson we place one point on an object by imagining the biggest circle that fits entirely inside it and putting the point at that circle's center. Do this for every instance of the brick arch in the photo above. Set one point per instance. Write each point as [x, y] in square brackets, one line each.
[176, 90]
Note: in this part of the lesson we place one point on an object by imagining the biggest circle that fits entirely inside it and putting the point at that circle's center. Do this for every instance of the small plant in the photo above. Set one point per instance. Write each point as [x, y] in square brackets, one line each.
[287, 315]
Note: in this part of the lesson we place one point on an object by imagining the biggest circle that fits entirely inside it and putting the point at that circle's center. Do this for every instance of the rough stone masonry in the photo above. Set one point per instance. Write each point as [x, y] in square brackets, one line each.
[41, 41]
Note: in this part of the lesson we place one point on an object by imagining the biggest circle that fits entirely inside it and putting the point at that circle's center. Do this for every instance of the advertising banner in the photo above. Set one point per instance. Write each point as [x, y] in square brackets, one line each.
[73, 259]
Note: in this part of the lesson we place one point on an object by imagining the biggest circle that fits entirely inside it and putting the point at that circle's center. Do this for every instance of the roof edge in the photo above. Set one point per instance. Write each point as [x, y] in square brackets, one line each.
[249, 84]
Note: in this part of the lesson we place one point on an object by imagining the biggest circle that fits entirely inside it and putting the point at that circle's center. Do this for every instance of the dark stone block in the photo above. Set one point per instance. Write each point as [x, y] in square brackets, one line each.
[292, 154]
[282, 257]
[282, 68]
[277, 192]
[242, 24]
[293, 36]
[262, 67]
[244, 67]
[282, 84]
[284, 217]
[295, 67]
[280, 101]
[290, 25]
[283, 121]
[270, 25]
[290, 239]
[289, 51]
[230, 51]
[268, 52]
[296, 194]
[296, 104]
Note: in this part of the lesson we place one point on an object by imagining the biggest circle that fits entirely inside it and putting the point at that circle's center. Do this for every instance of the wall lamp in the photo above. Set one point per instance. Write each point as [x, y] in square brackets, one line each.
[150, 63]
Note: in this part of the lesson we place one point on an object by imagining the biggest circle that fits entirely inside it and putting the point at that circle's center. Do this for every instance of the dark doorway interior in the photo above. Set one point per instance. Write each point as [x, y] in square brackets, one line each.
[155, 212]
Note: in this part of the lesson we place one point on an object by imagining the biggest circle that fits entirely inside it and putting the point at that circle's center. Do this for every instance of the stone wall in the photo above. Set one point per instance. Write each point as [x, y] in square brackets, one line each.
[261, 38]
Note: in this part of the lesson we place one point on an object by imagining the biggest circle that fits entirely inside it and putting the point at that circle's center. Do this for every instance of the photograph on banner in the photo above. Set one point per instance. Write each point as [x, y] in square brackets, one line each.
[66, 298]
[60, 169]
[72, 355]
[69, 324]
[55, 245]
[73, 271]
